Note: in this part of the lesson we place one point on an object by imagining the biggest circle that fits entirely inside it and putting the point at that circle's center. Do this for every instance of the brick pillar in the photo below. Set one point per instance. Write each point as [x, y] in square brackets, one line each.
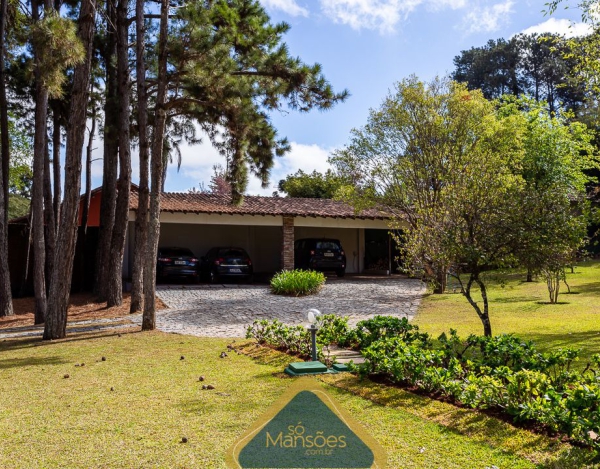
[287, 248]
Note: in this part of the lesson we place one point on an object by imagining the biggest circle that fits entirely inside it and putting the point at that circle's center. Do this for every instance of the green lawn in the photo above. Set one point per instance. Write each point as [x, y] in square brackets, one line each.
[133, 409]
[49, 421]
[522, 308]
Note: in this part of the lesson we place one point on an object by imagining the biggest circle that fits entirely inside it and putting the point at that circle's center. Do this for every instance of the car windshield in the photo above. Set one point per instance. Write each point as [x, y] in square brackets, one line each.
[176, 252]
[332, 245]
[232, 252]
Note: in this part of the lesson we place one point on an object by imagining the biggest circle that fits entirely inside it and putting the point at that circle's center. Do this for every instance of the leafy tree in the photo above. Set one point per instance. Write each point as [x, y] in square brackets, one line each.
[462, 172]
[218, 182]
[558, 157]
[20, 176]
[493, 68]
[55, 326]
[18, 206]
[530, 64]
[313, 186]
[20, 172]
[246, 71]
[402, 159]
[228, 68]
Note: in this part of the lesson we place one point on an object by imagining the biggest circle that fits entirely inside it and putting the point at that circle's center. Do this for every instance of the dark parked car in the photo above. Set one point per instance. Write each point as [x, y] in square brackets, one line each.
[226, 262]
[176, 262]
[320, 254]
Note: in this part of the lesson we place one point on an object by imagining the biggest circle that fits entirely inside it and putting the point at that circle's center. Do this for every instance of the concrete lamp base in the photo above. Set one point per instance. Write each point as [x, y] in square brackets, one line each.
[307, 368]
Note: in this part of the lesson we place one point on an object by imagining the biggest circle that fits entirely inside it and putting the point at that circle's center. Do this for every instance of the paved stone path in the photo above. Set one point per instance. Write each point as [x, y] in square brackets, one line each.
[227, 310]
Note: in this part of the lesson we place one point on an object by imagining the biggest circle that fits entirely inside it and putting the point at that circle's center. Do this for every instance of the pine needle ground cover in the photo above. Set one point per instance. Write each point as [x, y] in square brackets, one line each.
[64, 406]
[523, 308]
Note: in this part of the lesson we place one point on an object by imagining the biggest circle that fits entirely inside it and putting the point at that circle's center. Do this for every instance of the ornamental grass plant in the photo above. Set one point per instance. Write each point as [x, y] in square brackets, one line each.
[297, 282]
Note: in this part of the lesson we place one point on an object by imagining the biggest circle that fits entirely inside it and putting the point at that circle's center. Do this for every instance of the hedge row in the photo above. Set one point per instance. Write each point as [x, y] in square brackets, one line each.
[503, 373]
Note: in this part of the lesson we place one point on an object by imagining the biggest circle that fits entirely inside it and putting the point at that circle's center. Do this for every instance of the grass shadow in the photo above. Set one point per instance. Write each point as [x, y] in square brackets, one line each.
[592, 287]
[30, 361]
[28, 342]
[513, 299]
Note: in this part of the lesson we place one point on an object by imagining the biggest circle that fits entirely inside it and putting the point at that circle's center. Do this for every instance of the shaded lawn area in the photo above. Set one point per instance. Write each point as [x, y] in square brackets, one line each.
[522, 308]
[49, 421]
[82, 306]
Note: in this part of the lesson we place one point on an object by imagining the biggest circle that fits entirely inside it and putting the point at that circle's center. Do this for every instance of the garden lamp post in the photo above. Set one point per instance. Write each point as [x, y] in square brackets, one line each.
[312, 318]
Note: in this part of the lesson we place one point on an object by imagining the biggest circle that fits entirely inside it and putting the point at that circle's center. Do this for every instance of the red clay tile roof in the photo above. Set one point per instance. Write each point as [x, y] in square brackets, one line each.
[256, 205]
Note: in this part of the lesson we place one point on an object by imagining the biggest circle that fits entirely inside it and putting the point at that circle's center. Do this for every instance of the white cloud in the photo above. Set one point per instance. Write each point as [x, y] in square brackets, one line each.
[453, 4]
[382, 15]
[308, 158]
[198, 161]
[368, 14]
[287, 6]
[563, 27]
[485, 19]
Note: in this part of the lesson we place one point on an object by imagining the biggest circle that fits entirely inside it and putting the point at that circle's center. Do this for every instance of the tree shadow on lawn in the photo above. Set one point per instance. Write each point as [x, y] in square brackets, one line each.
[592, 287]
[515, 299]
[30, 361]
[547, 303]
[588, 340]
[29, 342]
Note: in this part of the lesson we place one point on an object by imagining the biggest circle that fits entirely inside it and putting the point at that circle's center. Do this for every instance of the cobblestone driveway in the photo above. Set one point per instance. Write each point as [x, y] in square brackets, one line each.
[226, 310]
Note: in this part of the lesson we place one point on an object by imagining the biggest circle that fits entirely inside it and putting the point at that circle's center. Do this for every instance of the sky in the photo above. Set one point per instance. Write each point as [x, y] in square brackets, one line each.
[365, 46]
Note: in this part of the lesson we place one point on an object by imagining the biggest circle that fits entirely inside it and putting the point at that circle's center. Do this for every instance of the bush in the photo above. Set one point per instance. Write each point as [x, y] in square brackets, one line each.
[297, 282]
[503, 373]
[296, 339]
[381, 327]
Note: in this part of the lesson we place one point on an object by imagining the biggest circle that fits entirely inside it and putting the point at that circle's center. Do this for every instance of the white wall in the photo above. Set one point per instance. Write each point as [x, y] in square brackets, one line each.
[263, 243]
[262, 240]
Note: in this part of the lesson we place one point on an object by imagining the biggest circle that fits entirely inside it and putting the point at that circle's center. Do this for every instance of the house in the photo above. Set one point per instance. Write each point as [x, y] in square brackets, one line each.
[266, 227]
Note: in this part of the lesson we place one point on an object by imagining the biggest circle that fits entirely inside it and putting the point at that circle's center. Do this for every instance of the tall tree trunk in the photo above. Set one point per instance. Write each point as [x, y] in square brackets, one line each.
[49, 222]
[141, 215]
[117, 248]
[23, 288]
[88, 177]
[88, 191]
[56, 160]
[6, 306]
[37, 192]
[149, 315]
[529, 275]
[60, 283]
[440, 282]
[483, 314]
[109, 177]
[4, 136]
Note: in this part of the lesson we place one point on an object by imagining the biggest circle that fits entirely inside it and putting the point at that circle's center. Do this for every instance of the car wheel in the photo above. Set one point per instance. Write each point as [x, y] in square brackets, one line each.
[340, 272]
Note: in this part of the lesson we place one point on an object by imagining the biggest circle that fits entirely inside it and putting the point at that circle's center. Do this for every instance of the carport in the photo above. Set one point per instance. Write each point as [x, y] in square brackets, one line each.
[266, 227]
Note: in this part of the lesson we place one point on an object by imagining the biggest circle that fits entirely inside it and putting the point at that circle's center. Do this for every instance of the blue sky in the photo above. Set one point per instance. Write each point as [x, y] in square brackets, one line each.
[365, 46]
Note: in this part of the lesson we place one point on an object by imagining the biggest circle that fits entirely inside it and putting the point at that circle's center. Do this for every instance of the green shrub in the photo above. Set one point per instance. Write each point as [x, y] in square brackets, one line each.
[381, 327]
[297, 282]
[296, 339]
[503, 373]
